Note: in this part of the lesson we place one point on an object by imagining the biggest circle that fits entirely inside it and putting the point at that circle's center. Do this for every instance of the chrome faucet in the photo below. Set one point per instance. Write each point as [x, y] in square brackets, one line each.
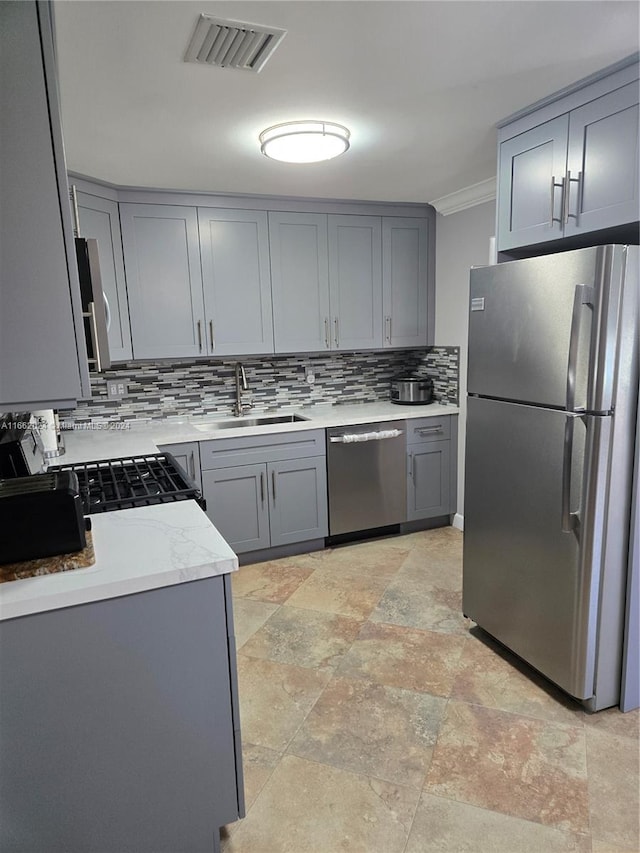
[241, 385]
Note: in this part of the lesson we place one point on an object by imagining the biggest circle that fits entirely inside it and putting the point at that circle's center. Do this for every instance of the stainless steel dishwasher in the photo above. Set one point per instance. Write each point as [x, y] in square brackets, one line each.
[367, 476]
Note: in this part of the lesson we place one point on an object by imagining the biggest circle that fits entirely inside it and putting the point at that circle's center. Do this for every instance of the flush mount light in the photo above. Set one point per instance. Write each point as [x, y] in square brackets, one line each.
[304, 141]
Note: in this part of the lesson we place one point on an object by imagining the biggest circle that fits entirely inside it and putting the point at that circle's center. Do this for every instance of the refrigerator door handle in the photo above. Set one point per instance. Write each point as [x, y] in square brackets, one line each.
[570, 520]
[584, 294]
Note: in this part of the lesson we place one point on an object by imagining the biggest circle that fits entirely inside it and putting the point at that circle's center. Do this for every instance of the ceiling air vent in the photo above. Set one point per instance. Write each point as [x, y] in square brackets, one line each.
[232, 44]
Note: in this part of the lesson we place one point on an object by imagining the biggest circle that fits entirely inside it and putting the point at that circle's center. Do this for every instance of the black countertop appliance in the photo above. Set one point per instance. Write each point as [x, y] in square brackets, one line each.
[42, 516]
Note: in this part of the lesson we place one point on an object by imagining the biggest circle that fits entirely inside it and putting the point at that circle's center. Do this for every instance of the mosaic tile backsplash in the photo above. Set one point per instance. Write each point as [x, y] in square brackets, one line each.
[161, 389]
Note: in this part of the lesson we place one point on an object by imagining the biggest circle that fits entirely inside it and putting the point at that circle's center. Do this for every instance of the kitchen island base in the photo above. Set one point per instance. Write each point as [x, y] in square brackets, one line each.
[119, 724]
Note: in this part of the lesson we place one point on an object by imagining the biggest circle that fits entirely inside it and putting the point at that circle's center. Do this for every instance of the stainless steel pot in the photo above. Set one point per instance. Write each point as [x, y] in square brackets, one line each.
[412, 390]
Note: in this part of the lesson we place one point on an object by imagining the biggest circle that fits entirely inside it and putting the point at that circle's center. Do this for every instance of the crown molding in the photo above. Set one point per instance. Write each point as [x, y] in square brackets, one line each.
[466, 197]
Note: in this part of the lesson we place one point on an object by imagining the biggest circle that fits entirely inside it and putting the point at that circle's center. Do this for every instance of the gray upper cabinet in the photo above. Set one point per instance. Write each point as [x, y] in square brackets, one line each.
[404, 281]
[300, 281]
[43, 361]
[602, 163]
[217, 281]
[532, 169]
[568, 165]
[164, 280]
[99, 219]
[234, 247]
[355, 281]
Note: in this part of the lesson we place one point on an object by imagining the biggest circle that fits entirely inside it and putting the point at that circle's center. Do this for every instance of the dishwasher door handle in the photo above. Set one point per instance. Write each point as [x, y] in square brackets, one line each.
[349, 438]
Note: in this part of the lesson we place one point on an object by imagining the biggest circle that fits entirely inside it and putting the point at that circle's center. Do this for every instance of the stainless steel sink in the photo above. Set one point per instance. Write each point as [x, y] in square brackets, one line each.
[235, 423]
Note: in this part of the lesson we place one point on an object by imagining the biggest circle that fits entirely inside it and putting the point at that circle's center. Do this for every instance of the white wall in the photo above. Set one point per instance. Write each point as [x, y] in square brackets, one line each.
[462, 241]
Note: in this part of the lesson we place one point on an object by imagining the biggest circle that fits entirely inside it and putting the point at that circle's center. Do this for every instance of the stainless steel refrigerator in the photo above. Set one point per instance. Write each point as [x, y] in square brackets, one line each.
[551, 413]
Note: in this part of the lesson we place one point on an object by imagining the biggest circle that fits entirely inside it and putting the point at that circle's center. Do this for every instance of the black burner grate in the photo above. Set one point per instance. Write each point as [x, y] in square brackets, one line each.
[132, 481]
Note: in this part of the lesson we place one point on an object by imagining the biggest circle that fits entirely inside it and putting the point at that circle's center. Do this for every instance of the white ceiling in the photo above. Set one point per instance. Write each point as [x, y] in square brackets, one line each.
[420, 84]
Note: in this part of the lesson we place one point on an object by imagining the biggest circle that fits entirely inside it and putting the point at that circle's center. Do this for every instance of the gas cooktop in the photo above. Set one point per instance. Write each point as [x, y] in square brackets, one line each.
[132, 481]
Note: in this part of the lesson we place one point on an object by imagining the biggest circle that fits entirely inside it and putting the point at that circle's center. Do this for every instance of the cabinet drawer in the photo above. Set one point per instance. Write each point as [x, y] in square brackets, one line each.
[226, 452]
[428, 429]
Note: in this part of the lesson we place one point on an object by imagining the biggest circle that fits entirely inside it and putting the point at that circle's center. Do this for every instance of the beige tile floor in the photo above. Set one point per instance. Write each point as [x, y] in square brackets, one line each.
[376, 719]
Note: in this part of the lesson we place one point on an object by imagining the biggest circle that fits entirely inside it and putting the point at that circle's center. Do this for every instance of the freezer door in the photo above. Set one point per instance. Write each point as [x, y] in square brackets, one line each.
[543, 330]
[528, 579]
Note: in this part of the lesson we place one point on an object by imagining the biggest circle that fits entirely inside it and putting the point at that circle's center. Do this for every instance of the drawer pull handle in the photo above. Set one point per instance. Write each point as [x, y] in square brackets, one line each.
[429, 430]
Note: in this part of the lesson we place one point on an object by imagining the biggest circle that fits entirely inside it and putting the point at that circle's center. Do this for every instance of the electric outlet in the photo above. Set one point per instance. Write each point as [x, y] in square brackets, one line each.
[116, 389]
[310, 376]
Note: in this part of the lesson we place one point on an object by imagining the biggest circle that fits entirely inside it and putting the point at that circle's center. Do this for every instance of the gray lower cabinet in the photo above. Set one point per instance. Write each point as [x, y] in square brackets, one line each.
[237, 504]
[100, 219]
[234, 247]
[43, 359]
[431, 467]
[266, 491]
[120, 724]
[187, 455]
[568, 166]
[404, 281]
[164, 280]
[429, 480]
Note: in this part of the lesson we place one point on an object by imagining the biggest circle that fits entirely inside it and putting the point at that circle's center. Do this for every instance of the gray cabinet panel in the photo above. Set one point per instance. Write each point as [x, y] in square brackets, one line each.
[300, 281]
[42, 345]
[234, 247]
[429, 480]
[237, 505]
[99, 218]
[297, 500]
[355, 281]
[118, 725]
[531, 165]
[603, 162]
[187, 455]
[404, 281]
[227, 452]
[164, 281]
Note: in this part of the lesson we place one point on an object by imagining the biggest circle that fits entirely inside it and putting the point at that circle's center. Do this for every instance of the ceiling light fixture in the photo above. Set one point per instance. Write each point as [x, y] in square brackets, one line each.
[304, 141]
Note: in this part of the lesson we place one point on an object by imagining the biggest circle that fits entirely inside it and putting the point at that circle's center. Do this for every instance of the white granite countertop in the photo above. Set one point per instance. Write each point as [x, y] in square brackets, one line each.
[142, 437]
[136, 550]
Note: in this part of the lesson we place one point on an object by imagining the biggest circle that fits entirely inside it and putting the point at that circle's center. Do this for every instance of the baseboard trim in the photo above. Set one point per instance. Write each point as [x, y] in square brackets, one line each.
[458, 521]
